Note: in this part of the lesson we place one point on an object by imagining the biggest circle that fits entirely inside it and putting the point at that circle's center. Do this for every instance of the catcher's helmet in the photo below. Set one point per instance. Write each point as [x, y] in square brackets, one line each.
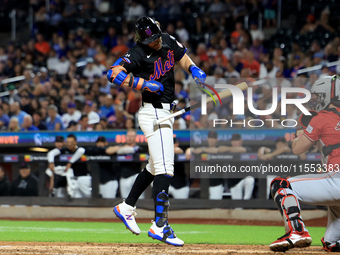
[327, 90]
[147, 30]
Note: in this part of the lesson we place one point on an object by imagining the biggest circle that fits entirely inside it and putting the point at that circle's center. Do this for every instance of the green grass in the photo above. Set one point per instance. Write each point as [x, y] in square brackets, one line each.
[53, 231]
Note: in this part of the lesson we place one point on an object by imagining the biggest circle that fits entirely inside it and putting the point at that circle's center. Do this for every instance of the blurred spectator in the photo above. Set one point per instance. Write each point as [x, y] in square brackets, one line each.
[17, 112]
[41, 45]
[110, 40]
[120, 49]
[37, 120]
[4, 183]
[251, 63]
[26, 184]
[91, 70]
[269, 12]
[4, 119]
[256, 33]
[129, 170]
[72, 126]
[27, 124]
[14, 124]
[134, 11]
[13, 96]
[52, 60]
[63, 64]
[281, 147]
[72, 114]
[54, 121]
[107, 110]
[323, 23]
[179, 186]
[309, 26]
[180, 93]
[182, 32]
[82, 123]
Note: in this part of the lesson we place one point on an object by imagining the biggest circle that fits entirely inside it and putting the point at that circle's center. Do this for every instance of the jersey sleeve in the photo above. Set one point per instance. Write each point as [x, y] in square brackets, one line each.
[178, 48]
[312, 132]
[131, 60]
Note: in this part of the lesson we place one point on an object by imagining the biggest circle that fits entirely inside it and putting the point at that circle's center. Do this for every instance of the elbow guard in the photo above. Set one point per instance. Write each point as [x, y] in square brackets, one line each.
[116, 74]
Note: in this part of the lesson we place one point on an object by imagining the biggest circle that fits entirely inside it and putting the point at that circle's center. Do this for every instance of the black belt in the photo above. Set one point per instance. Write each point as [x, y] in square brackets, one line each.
[160, 105]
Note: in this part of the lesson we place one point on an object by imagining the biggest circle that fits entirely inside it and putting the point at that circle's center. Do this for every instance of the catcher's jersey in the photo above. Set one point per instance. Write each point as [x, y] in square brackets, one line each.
[146, 63]
[325, 127]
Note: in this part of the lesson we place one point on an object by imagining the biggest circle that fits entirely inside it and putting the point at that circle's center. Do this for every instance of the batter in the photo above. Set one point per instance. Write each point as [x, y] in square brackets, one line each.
[151, 61]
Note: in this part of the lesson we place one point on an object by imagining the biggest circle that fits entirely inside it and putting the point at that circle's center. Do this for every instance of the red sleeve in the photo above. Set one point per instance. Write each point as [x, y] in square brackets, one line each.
[313, 130]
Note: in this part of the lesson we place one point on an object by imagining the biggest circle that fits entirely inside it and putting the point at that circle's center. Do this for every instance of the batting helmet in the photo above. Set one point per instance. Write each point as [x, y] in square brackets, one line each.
[147, 30]
[327, 90]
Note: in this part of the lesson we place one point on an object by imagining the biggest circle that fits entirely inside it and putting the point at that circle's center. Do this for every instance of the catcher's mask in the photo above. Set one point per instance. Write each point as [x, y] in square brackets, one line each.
[325, 91]
[147, 30]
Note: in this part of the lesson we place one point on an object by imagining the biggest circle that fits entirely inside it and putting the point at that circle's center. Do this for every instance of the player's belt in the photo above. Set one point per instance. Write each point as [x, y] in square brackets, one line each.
[159, 105]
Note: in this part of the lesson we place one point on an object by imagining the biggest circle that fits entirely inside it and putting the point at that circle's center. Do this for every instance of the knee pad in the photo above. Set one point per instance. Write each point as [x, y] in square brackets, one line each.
[287, 203]
[162, 205]
[277, 184]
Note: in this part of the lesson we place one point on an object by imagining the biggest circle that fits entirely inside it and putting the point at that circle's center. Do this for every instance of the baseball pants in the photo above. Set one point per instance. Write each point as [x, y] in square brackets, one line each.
[321, 189]
[181, 193]
[109, 189]
[160, 139]
[125, 185]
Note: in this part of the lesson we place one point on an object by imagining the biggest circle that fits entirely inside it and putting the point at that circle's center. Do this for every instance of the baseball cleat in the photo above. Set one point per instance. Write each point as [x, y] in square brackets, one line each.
[327, 246]
[126, 213]
[164, 234]
[292, 239]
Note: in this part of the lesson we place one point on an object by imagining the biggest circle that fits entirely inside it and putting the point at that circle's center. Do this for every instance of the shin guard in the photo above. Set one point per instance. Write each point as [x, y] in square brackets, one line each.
[162, 205]
[287, 204]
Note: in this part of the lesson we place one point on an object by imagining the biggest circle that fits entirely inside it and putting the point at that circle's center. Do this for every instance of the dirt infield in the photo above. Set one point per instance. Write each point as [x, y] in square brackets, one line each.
[140, 249]
[100, 248]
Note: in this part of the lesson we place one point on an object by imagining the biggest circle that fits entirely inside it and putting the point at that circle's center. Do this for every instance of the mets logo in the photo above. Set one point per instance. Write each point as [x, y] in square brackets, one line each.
[161, 69]
[148, 31]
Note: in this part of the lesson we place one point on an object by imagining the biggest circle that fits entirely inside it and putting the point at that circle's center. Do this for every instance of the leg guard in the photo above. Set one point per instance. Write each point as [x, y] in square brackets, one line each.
[162, 209]
[287, 204]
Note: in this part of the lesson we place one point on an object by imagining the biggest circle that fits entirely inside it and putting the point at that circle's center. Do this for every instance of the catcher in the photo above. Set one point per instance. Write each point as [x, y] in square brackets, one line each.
[324, 129]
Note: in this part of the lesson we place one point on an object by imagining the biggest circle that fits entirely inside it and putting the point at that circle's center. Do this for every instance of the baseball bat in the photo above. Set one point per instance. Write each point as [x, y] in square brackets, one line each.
[223, 94]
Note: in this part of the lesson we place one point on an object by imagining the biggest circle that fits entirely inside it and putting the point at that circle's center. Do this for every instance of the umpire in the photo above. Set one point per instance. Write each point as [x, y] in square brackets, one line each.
[152, 61]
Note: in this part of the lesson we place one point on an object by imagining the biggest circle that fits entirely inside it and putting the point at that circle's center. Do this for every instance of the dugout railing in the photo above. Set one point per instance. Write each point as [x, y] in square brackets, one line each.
[199, 201]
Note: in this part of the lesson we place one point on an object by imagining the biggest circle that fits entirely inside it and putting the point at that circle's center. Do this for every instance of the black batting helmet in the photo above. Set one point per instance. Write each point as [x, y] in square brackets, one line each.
[147, 30]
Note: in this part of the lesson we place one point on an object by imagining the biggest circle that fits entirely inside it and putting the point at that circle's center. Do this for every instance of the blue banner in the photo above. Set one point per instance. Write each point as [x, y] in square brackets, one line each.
[119, 136]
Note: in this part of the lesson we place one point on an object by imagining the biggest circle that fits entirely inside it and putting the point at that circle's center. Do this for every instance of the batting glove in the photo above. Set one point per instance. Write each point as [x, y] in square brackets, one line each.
[153, 86]
[197, 74]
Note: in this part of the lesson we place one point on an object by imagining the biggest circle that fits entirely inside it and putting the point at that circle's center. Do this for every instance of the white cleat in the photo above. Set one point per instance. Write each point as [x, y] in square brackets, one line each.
[164, 234]
[292, 239]
[126, 213]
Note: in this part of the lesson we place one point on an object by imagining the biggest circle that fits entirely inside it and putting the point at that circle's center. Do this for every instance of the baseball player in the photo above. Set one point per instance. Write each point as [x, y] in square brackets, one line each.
[318, 189]
[152, 61]
[72, 174]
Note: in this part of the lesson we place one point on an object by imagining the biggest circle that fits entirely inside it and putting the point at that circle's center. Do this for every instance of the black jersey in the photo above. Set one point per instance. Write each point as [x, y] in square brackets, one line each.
[149, 64]
[79, 168]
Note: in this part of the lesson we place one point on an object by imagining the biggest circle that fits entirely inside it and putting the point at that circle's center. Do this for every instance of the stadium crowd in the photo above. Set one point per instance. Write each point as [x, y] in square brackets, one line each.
[63, 70]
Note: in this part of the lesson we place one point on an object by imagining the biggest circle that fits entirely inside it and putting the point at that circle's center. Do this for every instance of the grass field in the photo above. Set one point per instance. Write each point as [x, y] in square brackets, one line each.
[99, 232]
